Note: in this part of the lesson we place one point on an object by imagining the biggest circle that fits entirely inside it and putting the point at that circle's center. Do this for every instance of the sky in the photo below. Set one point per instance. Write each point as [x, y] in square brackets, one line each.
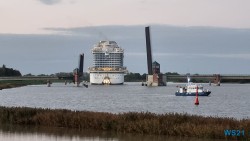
[46, 36]
[31, 16]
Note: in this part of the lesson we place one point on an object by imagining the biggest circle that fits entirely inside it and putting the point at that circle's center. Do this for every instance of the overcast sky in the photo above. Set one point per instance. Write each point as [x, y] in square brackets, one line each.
[46, 36]
[31, 16]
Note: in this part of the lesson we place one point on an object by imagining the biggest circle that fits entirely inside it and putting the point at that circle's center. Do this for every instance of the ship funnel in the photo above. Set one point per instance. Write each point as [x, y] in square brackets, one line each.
[149, 53]
[81, 60]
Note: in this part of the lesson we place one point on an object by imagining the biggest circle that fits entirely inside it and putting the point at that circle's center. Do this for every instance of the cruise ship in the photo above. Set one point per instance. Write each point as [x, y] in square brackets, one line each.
[107, 64]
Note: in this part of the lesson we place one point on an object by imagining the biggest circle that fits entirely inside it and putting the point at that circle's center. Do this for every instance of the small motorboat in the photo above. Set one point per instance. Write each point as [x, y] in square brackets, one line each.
[191, 89]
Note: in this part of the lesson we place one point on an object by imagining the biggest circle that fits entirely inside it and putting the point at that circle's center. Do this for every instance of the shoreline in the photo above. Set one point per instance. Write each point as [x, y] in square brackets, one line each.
[10, 85]
[170, 124]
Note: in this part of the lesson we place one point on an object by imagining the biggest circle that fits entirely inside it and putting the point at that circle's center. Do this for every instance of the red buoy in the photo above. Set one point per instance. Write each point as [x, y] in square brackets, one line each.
[196, 102]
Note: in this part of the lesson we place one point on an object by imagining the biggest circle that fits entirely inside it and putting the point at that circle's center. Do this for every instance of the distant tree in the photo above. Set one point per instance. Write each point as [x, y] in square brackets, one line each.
[172, 73]
[134, 77]
[3, 66]
[4, 71]
[86, 76]
[143, 77]
[42, 75]
[52, 75]
[29, 74]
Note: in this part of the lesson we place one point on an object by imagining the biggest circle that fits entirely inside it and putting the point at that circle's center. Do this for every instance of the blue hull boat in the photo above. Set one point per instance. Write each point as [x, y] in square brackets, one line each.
[193, 94]
[192, 89]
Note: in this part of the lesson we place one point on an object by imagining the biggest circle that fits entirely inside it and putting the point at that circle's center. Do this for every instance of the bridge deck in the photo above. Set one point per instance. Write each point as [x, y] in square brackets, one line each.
[211, 76]
[29, 78]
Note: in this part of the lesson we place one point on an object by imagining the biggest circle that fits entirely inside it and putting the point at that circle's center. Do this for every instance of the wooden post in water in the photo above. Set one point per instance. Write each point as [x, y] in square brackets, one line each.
[217, 79]
[48, 83]
[77, 80]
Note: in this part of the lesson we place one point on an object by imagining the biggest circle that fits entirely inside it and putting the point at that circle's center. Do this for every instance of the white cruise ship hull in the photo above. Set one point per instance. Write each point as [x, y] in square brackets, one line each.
[98, 78]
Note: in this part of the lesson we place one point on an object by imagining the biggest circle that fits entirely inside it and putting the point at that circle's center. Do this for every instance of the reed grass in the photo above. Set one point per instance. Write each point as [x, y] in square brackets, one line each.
[171, 124]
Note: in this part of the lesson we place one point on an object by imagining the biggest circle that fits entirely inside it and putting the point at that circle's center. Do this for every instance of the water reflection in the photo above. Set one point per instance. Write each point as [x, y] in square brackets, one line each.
[28, 133]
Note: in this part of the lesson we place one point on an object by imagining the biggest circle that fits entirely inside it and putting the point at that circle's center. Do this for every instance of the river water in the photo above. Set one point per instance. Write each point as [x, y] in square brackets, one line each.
[227, 100]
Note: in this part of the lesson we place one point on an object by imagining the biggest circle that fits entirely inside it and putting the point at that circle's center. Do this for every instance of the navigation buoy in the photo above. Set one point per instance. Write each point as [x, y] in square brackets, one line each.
[196, 102]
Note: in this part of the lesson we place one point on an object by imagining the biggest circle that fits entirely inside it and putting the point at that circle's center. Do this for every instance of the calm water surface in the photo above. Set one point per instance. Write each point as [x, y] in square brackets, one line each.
[228, 100]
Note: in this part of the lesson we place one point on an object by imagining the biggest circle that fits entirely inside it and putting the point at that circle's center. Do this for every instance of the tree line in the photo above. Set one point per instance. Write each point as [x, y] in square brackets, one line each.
[4, 71]
[137, 77]
[129, 77]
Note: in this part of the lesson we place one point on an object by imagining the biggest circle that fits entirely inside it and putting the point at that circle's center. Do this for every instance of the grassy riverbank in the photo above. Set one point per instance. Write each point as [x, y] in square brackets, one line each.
[143, 123]
[6, 84]
[10, 85]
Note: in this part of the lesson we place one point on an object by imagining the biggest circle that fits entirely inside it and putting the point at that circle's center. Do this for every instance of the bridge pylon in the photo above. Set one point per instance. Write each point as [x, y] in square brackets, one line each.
[217, 79]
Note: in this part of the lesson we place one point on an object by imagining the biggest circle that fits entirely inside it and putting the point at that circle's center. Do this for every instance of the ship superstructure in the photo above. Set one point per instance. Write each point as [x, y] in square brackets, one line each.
[107, 64]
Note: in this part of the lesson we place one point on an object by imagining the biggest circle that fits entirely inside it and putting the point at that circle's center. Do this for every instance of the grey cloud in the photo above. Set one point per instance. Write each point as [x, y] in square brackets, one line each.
[178, 49]
[50, 2]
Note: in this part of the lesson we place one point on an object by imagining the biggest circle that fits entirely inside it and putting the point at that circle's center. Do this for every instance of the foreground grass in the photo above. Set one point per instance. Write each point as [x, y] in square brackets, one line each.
[144, 123]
